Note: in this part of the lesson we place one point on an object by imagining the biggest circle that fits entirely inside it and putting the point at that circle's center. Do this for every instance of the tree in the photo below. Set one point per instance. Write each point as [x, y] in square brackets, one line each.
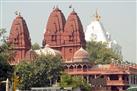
[74, 82]
[42, 72]
[2, 34]
[100, 54]
[35, 46]
[5, 68]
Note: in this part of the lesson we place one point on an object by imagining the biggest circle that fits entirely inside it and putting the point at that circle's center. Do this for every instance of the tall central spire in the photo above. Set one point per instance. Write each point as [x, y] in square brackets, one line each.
[54, 28]
[73, 36]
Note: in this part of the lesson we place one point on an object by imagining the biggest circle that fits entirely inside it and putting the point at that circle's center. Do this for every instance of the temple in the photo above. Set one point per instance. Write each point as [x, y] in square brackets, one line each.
[67, 39]
[96, 32]
[20, 41]
[65, 36]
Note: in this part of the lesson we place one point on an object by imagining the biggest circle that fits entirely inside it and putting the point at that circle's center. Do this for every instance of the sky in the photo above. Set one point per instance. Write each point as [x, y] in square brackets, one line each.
[117, 17]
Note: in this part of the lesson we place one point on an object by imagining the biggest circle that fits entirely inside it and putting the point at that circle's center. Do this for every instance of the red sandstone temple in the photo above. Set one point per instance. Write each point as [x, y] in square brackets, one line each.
[66, 37]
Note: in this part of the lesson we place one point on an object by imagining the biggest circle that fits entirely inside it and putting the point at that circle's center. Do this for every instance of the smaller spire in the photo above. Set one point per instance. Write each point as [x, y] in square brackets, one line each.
[97, 16]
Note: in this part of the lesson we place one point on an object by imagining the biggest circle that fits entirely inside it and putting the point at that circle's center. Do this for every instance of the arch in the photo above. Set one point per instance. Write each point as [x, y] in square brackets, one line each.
[85, 67]
[71, 68]
[66, 67]
[79, 67]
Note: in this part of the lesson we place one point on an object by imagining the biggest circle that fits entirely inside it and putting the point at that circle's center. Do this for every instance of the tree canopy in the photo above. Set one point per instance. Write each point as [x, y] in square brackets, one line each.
[100, 54]
[42, 72]
[35, 46]
[5, 68]
[74, 82]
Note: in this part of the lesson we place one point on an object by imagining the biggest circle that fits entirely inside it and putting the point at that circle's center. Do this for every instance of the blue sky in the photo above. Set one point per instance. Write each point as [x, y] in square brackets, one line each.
[118, 18]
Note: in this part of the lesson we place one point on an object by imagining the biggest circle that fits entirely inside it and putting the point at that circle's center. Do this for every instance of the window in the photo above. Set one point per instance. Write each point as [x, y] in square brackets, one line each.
[53, 37]
[70, 50]
[70, 38]
[113, 77]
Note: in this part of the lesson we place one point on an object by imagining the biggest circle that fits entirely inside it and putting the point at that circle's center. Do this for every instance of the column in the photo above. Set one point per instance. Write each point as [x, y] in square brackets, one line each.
[87, 78]
[7, 84]
[108, 78]
[120, 77]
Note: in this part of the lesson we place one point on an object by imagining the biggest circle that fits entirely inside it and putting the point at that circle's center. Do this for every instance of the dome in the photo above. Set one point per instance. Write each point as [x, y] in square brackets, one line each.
[47, 50]
[81, 54]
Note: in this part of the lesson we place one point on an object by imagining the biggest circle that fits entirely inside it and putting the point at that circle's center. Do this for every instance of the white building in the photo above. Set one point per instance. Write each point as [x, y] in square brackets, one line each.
[96, 32]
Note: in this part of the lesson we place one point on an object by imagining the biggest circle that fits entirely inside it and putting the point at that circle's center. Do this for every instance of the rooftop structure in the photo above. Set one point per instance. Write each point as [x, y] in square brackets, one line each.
[96, 32]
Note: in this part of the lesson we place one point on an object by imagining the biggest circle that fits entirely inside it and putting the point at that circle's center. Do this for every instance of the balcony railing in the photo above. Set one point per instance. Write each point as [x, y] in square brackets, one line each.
[117, 82]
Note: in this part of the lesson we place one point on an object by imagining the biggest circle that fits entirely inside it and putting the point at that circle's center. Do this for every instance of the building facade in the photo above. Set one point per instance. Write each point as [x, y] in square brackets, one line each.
[67, 38]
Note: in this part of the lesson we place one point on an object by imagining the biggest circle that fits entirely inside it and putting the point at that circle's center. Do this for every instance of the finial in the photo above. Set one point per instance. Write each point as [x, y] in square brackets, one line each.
[73, 9]
[17, 13]
[57, 6]
[97, 15]
[70, 6]
[54, 7]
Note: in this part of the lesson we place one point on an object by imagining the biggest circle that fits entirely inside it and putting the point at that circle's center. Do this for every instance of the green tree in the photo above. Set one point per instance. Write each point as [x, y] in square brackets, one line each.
[5, 68]
[100, 54]
[2, 34]
[35, 46]
[42, 72]
[74, 82]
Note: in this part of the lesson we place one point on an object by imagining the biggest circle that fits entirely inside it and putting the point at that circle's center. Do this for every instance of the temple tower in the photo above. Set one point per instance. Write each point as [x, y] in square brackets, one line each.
[54, 29]
[73, 36]
[19, 39]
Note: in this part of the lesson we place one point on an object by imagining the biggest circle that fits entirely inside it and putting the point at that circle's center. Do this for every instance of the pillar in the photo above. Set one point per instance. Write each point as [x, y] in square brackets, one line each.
[120, 77]
[108, 78]
[7, 84]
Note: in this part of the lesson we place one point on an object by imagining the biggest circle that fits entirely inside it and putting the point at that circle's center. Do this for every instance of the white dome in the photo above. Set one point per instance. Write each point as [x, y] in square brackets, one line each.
[47, 50]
